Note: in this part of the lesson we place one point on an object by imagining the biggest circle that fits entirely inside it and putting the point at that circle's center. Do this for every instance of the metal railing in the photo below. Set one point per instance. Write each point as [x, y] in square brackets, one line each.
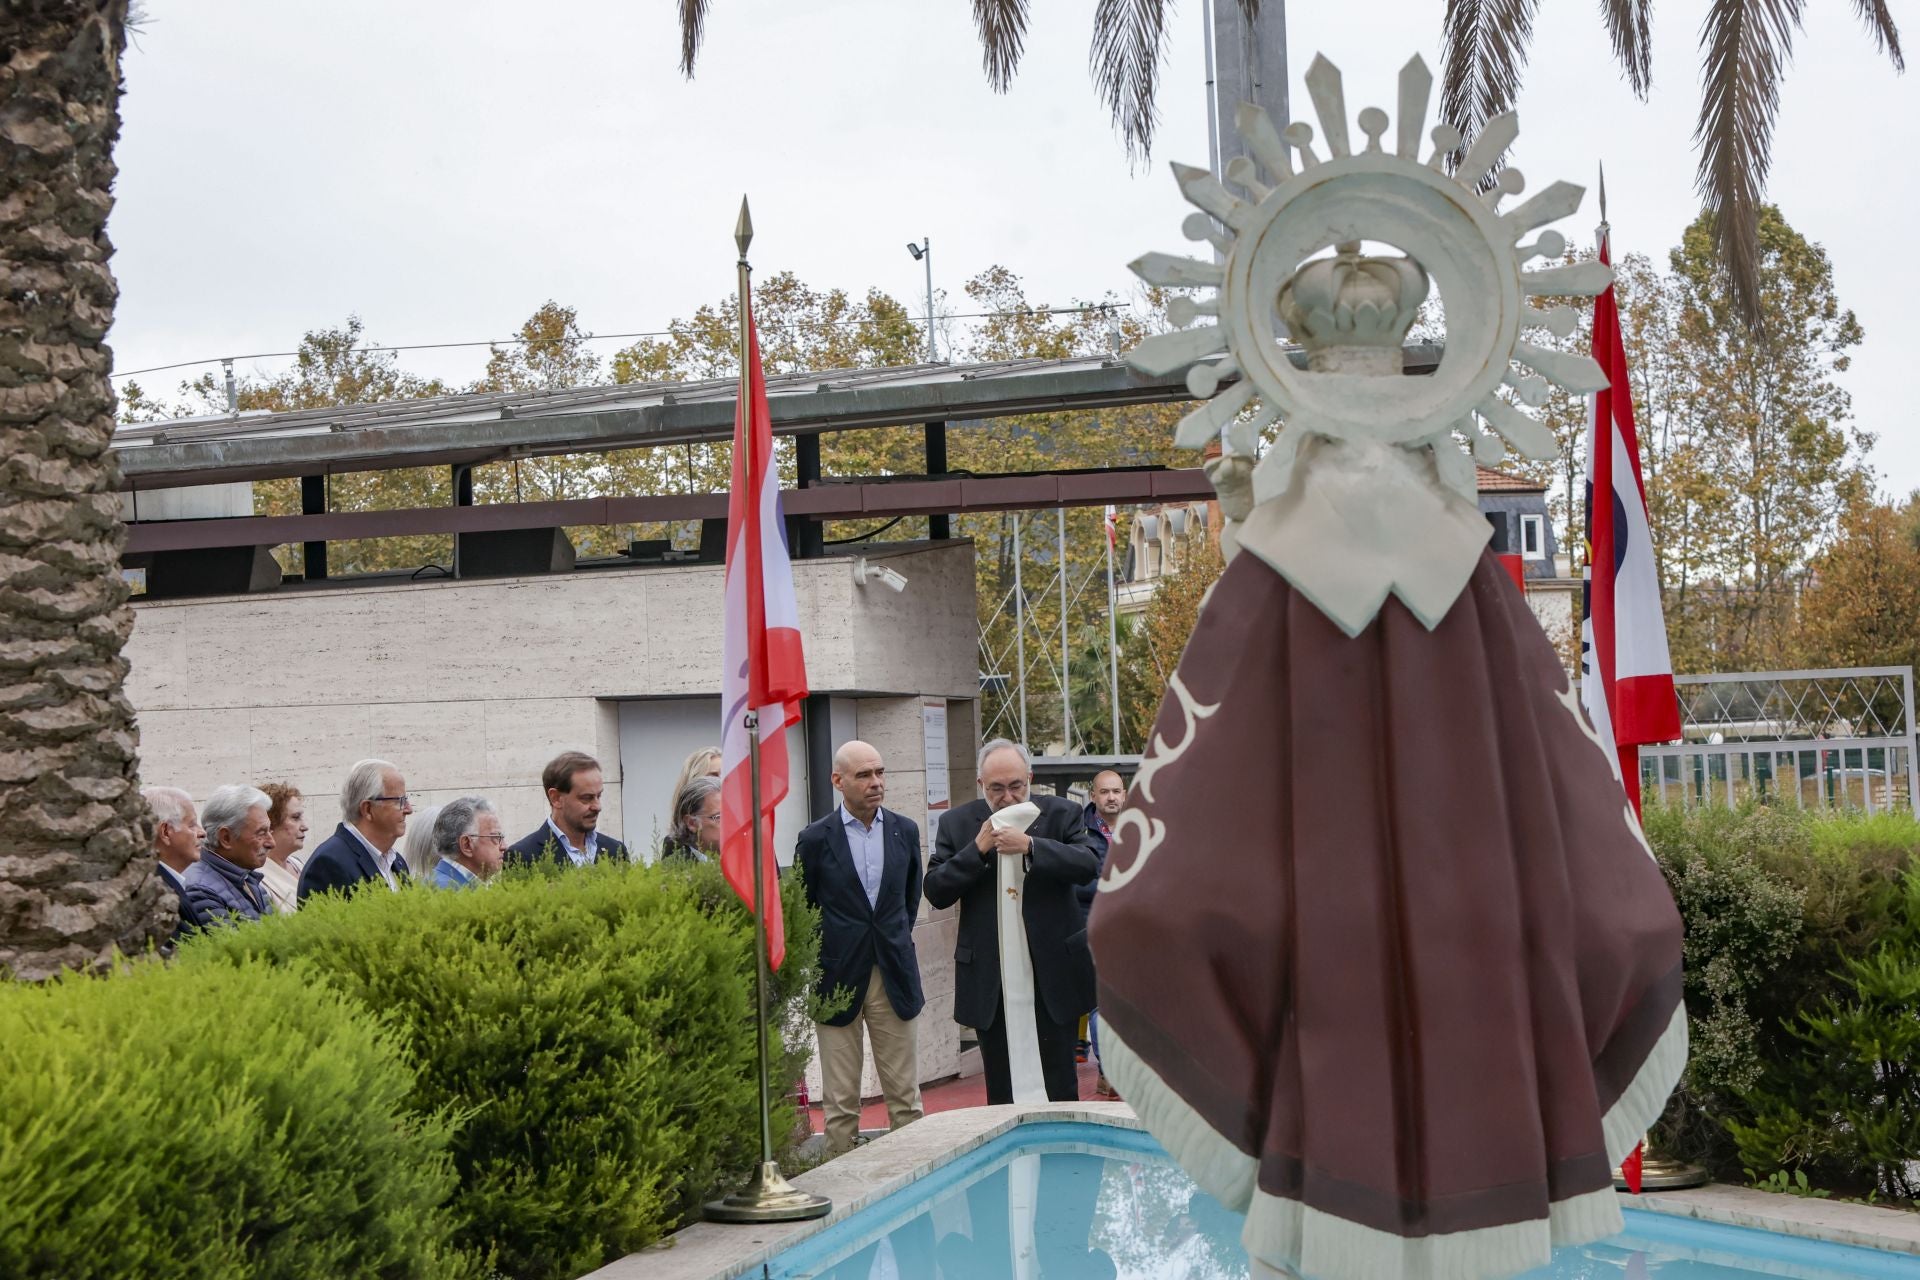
[1833, 739]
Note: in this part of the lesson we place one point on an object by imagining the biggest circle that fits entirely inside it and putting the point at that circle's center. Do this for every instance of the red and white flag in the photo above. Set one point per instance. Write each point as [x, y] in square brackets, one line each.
[765, 670]
[1626, 675]
[1113, 528]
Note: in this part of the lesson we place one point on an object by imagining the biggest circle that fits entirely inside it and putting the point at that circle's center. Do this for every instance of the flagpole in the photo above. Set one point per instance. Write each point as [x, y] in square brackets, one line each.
[1113, 636]
[768, 1196]
[1643, 1168]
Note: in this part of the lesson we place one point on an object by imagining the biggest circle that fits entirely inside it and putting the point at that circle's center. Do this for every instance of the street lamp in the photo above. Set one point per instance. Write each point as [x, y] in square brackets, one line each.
[923, 252]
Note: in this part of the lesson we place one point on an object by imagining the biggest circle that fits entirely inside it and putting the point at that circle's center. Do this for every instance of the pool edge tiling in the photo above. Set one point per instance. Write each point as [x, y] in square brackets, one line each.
[714, 1251]
[717, 1251]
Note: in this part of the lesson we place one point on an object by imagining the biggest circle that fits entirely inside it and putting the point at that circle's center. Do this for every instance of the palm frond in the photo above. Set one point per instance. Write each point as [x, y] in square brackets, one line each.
[1483, 52]
[1880, 26]
[1629, 23]
[1003, 36]
[1748, 43]
[693, 25]
[1129, 46]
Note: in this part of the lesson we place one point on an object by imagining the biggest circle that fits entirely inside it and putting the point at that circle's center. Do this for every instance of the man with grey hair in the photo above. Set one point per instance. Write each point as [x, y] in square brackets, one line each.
[1029, 852]
[373, 810]
[225, 884]
[176, 845]
[469, 842]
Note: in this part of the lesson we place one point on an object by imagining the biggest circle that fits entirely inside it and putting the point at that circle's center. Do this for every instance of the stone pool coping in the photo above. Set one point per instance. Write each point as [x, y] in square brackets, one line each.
[716, 1251]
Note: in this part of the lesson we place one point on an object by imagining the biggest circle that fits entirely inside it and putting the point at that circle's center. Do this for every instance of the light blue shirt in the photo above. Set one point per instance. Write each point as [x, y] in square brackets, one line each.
[580, 857]
[868, 845]
[449, 874]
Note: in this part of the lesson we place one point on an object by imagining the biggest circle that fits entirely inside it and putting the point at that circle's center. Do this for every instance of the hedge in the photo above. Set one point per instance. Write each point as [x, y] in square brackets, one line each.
[590, 1031]
[213, 1124]
[1803, 993]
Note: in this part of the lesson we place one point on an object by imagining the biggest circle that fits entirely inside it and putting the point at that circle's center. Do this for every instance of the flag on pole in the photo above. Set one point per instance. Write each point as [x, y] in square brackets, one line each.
[1113, 528]
[764, 669]
[1626, 675]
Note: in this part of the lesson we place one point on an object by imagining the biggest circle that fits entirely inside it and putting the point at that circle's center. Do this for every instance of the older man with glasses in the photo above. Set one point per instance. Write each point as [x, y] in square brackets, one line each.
[1022, 974]
[373, 808]
[471, 845]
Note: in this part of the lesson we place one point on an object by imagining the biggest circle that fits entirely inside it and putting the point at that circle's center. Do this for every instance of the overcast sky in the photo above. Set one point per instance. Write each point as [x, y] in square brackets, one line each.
[442, 169]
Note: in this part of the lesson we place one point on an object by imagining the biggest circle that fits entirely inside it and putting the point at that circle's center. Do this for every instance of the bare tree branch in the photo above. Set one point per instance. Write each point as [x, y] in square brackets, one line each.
[1003, 35]
[1483, 52]
[693, 25]
[1129, 45]
[1747, 44]
[1629, 23]
[1886, 36]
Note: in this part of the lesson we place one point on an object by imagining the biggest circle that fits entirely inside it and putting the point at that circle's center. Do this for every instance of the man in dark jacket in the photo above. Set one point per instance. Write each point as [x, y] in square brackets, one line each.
[1102, 811]
[571, 835]
[177, 834]
[860, 866]
[225, 883]
[362, 850]
[1055, 854]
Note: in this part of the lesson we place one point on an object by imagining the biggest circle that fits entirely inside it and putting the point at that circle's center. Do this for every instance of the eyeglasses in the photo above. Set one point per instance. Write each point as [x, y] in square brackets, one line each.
[498, 837]
[400, 799]
[1006, 789]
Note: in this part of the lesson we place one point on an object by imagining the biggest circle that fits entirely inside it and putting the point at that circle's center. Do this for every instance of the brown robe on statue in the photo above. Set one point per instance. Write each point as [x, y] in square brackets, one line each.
[1383, 958]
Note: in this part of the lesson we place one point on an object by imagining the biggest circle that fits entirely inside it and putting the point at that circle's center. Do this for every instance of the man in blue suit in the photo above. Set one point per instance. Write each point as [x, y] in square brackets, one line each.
[362, 850]
[861, 868]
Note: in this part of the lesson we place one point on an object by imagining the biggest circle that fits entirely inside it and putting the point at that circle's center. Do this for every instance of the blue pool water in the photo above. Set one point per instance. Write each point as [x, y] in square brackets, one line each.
[1108, 1204]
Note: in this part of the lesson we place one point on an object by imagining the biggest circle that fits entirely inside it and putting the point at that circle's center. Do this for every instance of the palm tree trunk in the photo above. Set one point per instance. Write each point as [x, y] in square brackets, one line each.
[76, 877]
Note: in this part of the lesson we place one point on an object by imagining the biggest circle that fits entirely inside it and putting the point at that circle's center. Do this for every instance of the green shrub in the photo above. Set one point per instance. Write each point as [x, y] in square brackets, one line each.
[212, 1124]
[1777, 902]
[592, 1030]
[1848, 1104]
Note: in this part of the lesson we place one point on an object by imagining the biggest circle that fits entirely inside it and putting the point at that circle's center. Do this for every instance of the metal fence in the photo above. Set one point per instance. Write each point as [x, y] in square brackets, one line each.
[1822, 739]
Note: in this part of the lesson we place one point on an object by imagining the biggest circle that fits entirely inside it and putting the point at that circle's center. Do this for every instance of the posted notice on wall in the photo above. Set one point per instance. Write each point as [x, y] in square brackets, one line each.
[933, 727]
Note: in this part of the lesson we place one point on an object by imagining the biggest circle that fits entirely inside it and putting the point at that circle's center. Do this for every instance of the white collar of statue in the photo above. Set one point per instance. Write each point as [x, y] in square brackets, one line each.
[1363, 488]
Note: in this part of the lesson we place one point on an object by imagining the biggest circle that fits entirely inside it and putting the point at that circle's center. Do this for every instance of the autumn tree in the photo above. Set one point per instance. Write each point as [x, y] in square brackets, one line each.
[1771, 455]
[1861, 603]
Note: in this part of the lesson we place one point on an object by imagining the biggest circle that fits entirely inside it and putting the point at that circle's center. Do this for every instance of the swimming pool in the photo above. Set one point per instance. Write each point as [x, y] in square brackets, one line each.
[1075, 1201]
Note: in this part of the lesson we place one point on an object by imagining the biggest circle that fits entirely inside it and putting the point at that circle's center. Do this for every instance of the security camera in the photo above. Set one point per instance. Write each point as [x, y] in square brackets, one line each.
[864, 572]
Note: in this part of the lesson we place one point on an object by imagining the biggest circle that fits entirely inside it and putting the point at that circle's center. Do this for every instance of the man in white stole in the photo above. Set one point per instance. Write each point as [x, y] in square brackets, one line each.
[1022, 972]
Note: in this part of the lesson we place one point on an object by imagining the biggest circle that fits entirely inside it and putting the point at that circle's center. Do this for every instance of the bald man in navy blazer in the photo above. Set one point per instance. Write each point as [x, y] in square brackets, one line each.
[861, 868]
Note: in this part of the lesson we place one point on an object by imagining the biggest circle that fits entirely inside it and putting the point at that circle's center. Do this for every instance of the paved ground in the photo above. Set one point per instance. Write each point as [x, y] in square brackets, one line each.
[948, 1095]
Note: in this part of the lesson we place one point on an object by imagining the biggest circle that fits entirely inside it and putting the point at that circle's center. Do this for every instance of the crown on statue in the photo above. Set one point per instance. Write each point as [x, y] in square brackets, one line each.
[1356, 305]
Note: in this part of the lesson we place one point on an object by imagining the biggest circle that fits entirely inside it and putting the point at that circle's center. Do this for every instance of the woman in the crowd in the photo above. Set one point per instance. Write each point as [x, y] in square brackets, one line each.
[704, 763]
[281, 871]
[417, 845]
[695, 836]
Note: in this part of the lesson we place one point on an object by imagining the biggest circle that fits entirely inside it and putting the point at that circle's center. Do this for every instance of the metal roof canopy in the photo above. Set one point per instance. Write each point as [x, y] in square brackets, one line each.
[478, 427]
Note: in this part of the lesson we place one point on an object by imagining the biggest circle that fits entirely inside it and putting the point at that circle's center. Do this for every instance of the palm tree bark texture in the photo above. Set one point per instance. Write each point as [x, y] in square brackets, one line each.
[76, 878]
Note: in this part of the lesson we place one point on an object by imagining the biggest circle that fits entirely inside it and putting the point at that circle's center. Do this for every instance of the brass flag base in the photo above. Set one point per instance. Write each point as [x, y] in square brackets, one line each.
[768, 1197]
[1657, 1173]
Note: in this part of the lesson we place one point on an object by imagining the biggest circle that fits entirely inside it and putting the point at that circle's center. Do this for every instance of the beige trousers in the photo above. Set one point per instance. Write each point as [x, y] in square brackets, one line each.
[894, 1058]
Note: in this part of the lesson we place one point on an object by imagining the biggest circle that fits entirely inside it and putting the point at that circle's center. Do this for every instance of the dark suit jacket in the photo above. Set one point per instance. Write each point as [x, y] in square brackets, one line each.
[1086, 891]
[342, 864]
[856, 935]
[541, 845]
[190, 918]
[1063, 856]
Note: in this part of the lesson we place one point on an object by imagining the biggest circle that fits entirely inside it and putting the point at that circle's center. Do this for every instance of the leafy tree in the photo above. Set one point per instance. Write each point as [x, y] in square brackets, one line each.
[1151, 652]
[1861, 604]
[1771, 446]
[334, 367]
